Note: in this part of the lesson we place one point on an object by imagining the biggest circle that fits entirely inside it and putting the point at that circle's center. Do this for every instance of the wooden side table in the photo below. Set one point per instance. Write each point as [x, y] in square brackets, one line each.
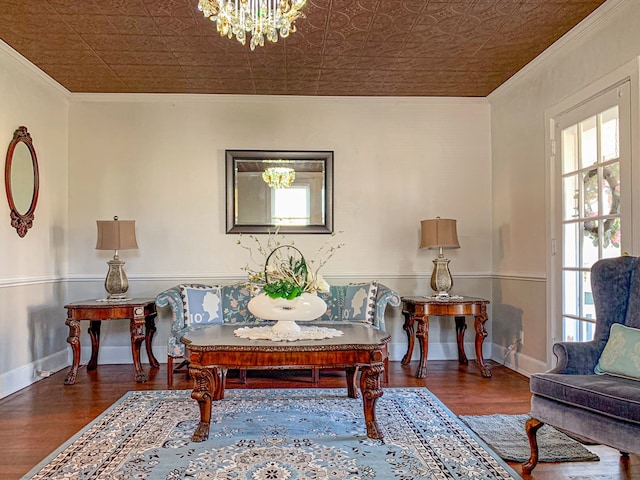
[421, 308]
[141, 312]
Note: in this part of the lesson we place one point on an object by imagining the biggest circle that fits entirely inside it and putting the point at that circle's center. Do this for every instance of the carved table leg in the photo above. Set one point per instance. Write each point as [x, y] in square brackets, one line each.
[408, 327]
[202, 393]
[481, 333]
[371, 391]
[137, 337]
[461, 327]
[94, 333]
[74, 340]
[219, 382]
[150, 331]
[532, 426]
[423, 341]
[352, 387]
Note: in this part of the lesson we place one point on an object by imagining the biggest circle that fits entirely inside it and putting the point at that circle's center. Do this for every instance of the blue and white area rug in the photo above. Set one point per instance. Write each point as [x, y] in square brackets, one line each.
[308, 434]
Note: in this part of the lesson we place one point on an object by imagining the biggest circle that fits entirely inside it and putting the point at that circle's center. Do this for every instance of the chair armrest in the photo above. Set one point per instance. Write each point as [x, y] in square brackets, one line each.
[384, 297]
[576, 358]
[172, 298]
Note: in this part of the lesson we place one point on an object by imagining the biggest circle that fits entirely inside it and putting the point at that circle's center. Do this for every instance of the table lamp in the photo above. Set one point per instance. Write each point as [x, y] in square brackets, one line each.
[116, 235]
[440, 233]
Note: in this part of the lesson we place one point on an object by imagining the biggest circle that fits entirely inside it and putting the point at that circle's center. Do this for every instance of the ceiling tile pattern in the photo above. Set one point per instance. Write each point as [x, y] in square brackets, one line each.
[342, 47]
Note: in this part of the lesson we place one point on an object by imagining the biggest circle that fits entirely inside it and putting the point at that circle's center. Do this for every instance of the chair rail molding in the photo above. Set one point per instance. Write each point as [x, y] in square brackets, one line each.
[36, 280]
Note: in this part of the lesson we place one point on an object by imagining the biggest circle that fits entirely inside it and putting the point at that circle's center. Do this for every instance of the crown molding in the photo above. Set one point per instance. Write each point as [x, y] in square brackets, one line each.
[26, 64]
[591, 22]
[234, 99]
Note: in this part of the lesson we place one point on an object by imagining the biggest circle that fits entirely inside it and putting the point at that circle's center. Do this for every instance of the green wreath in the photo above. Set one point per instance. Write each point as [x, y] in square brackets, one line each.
[611, 226]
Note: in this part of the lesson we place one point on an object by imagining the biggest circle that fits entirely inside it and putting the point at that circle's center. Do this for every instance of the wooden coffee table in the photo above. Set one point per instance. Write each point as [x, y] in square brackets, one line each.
[213, 350]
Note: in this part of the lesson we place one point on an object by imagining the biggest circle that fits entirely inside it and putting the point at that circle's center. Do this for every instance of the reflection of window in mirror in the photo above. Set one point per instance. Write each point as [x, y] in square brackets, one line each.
[290, 206]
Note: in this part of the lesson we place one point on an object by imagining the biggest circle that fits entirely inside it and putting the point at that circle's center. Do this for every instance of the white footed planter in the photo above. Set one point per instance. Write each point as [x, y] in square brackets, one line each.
[286, 313]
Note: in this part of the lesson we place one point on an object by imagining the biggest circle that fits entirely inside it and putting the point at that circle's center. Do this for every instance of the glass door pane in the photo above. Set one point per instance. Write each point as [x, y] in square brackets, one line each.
[591, 222]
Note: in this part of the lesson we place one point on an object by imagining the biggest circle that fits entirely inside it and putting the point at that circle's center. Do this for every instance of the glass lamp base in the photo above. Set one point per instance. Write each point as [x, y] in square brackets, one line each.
[441, 281]
[116, 284]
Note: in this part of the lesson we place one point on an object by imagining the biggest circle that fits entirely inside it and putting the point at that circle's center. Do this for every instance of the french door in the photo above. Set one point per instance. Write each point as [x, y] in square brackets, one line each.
[593, 190]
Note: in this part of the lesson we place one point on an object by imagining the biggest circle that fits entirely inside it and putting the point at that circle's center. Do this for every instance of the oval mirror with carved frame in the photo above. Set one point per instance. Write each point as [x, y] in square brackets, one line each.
[21, 180]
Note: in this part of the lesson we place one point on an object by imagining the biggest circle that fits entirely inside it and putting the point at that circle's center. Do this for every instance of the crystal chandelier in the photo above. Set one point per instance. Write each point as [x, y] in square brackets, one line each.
[279, 177]
[260, 18]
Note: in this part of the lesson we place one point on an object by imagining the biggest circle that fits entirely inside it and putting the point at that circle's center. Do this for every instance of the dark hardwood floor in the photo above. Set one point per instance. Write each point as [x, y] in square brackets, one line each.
[37, 419]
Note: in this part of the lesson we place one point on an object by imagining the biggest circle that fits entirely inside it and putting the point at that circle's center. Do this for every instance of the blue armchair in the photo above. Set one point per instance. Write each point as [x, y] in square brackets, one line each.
[604, 408]
[195, 306]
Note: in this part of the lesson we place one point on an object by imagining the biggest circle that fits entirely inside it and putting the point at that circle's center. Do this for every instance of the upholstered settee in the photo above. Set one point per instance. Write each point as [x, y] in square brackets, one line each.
[194, 306]
[594, 389]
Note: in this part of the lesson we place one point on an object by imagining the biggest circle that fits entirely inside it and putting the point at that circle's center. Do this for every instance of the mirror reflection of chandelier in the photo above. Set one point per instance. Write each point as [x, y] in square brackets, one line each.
[259, 18]
[279, 177]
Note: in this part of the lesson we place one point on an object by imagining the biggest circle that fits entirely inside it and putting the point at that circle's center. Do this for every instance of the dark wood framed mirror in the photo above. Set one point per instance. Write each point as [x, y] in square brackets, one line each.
[21, 180]
[288, 190]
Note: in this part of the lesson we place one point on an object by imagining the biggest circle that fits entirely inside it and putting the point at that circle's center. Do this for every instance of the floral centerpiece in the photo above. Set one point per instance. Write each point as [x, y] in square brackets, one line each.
[286, 281]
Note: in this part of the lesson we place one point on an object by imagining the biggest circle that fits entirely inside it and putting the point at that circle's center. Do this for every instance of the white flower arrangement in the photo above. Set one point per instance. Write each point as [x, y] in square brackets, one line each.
[281, 270]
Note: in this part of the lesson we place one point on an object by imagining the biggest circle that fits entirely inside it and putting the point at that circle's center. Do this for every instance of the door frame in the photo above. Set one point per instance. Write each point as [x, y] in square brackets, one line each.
[630, 71]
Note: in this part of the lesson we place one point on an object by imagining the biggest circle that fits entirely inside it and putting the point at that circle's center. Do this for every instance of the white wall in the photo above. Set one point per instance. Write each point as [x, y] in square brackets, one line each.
[32, 269]
[160, 160]
[603, 42]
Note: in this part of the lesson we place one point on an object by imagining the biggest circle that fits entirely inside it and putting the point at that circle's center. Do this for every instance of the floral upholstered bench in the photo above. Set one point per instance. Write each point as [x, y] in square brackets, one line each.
[194, 306]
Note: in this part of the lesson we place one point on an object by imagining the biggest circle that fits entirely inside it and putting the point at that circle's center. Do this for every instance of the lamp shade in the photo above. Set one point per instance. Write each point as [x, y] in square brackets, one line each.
[439, 233]
[116, 234]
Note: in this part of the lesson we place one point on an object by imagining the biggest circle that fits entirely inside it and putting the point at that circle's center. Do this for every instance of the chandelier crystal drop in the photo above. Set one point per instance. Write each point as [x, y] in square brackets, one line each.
[259, 18]
[279, 177]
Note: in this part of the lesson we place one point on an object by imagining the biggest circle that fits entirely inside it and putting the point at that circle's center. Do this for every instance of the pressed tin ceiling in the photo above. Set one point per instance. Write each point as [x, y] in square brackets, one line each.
[342, 47]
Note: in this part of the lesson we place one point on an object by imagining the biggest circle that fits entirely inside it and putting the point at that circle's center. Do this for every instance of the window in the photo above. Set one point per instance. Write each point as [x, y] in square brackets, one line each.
[592, 162]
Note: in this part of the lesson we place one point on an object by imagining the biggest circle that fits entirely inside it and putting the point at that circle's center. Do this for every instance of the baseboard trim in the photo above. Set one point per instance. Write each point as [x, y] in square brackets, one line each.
[437, 351]
[110, 355]
[15, 380]
[113, 355]
[26, 375]
[517, 361]
[445, 351]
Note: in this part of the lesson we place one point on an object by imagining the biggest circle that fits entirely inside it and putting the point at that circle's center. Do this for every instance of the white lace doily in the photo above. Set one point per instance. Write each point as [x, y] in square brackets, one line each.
[305, 333]
[443, 298]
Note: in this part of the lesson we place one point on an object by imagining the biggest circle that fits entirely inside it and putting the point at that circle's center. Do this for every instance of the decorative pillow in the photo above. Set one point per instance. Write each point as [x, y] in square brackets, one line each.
[235, 299]
[621, 354]
[360, 302]
[202, 304]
